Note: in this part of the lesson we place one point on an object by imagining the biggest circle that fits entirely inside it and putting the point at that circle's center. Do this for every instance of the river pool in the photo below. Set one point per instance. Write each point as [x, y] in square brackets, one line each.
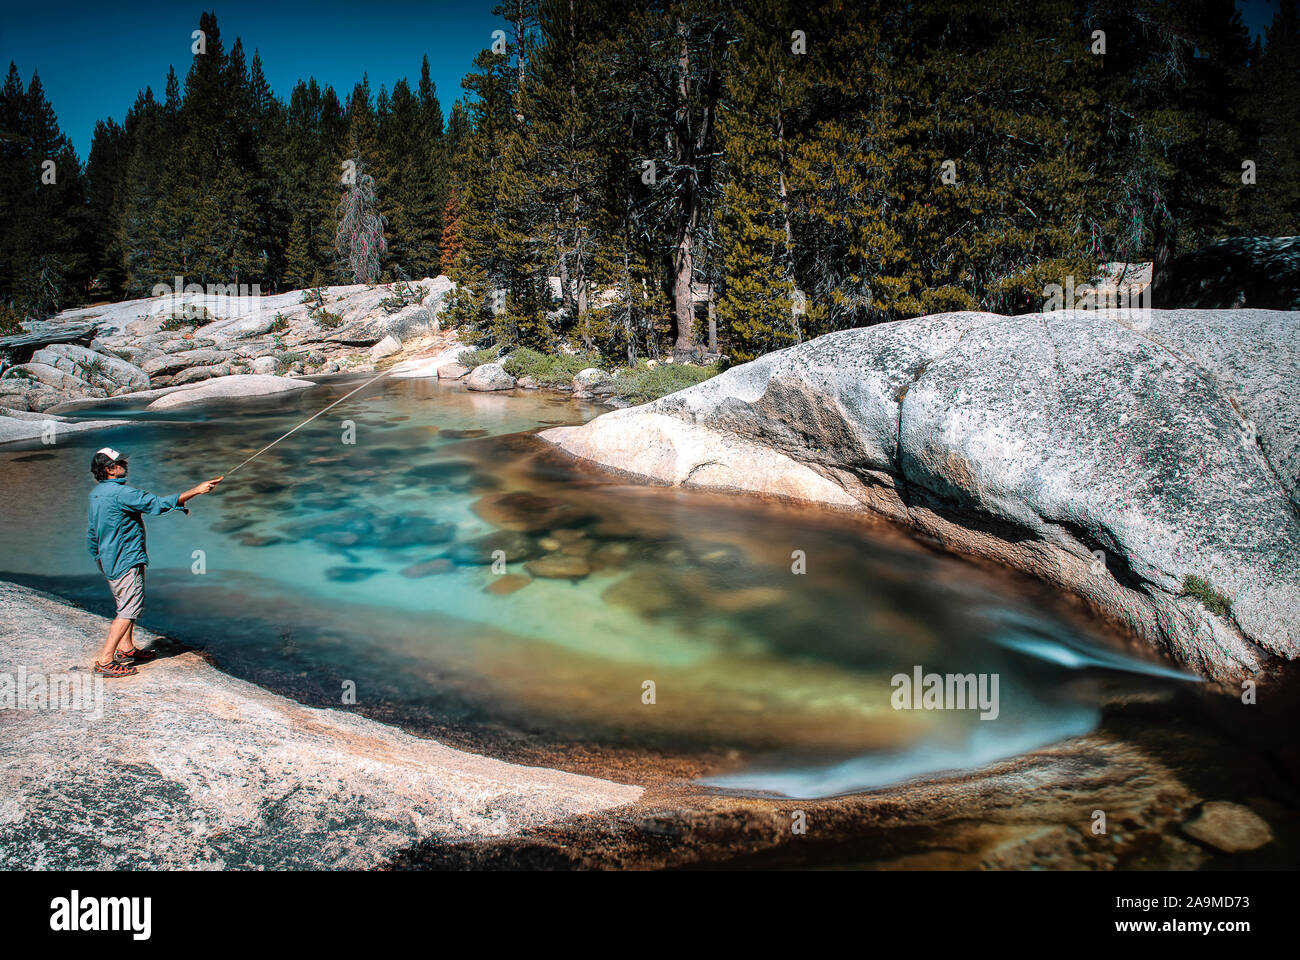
[760, 641]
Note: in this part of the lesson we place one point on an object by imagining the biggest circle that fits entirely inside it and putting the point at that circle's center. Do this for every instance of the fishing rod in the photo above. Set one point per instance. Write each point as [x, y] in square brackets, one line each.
[308, 420]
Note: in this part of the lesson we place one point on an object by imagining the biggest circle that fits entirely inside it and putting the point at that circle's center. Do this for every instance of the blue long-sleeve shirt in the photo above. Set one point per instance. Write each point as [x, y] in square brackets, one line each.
[115, 531]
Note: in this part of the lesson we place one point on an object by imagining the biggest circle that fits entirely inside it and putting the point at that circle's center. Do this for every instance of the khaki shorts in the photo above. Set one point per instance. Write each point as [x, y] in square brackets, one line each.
[128, 591]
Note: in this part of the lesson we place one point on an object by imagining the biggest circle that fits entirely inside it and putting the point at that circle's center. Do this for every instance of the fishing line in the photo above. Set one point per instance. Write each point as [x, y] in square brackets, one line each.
[309, 420]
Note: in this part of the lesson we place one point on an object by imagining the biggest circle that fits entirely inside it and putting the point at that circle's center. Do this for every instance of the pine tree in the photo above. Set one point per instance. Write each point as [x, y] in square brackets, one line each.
[757, 307]
[45, 254]
[451, 247]
[1271, 206]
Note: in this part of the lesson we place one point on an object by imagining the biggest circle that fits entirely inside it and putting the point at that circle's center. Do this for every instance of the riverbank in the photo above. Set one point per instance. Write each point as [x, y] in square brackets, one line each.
[190, 767]
[187, 767]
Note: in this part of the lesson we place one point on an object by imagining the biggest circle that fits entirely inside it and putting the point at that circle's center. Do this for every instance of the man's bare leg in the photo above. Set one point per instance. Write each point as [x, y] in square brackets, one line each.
[119, 629]
[128, 639]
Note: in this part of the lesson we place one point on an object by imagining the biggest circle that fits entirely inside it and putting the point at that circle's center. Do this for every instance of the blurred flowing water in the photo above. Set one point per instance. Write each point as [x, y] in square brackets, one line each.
[329, 564]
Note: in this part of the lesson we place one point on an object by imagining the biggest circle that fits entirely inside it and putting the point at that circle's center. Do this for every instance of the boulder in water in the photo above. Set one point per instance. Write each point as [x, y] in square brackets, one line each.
[428, 568]
[528, 512]
[228, 388]
[558, 566]
[1229, 827]
[507, 583]
[489, 376]
[514, 546]
[351, 574]
[1120, 455]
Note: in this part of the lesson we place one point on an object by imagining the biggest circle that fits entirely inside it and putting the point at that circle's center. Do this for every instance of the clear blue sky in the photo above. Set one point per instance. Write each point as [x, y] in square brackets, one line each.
[93, 57]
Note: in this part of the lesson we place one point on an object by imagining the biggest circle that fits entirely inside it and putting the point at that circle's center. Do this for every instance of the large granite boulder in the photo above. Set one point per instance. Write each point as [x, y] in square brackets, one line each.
[232, 387]
[172, 363]
[101, 370]
[48, 375]
[1117, 455]
[489, 376]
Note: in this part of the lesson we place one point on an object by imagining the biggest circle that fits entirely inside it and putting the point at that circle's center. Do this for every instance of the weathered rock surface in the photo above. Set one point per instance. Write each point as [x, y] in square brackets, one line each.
[44, 333]
[386, 348]
[171, 363]
[431, 366]
[45, 373]
[245, 385]
[1112, 454]
[20, 425]
[187, 767]
[99, 369]
[200, 373]
[592, 382]
[489, 376]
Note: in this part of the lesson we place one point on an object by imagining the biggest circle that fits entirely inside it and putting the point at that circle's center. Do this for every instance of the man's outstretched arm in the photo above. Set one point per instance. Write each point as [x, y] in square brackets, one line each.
[207, 486]
[142, 502]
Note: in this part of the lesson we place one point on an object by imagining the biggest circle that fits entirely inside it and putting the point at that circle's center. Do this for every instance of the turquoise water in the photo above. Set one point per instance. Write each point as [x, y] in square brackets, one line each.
[326, 567]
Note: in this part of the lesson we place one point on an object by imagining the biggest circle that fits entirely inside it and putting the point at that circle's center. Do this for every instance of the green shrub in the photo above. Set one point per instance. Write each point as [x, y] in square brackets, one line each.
[476, 358]
[187, 317]
[328, 320]
[548, 369]
[1202, 590]
[10, 322]
[403, 294]
[644, 383]
[92, 370]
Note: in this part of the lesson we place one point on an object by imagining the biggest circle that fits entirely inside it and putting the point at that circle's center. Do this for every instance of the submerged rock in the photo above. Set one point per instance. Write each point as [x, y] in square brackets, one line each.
[1115, 455]
[1229, 827]
[651, 593]
[507, 583]
[351, 574]
[558, 566]
[428, 568]
[410, 531]
[527, 512]
[480, 550]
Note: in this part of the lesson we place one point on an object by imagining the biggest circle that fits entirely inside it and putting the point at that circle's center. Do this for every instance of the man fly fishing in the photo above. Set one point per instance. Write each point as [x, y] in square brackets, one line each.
[115, 539]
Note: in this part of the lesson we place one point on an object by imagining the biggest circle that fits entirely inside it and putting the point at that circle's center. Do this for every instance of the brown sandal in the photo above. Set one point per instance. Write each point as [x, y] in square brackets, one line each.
[114, 669]
[136, 656]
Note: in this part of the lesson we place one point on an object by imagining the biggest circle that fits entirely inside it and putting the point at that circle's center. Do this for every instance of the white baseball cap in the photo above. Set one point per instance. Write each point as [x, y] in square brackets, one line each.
[110, 453]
